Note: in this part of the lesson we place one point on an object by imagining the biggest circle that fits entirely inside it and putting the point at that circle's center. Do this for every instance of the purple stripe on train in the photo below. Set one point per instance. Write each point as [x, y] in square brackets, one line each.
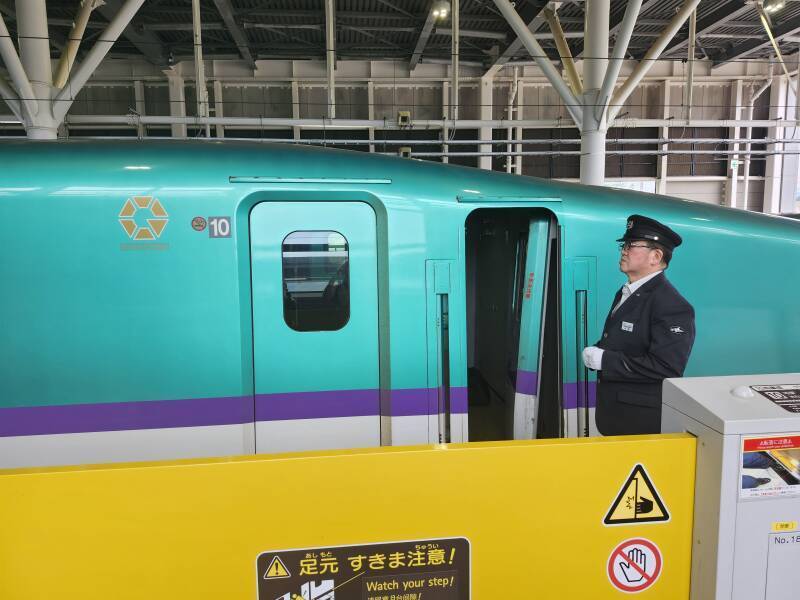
[121, 416]
[571, 399]
[234, 410]
[527, 382]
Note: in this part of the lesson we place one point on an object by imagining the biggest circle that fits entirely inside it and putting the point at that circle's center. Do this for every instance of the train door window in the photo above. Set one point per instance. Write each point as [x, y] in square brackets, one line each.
[316, 286]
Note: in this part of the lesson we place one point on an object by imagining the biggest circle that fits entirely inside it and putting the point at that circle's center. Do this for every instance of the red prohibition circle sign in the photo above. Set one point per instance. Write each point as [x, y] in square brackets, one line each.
[634, 565]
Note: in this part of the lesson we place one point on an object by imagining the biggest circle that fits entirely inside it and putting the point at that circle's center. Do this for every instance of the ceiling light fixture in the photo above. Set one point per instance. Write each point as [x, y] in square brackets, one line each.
[773, 6]
[441, 9]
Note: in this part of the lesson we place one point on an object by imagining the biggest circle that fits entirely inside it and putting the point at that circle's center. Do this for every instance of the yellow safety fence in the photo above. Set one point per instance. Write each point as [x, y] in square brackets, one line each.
[560, 519]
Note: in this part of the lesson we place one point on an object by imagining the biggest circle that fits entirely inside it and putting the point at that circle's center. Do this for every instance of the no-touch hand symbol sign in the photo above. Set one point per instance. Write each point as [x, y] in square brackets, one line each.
[634, 565]
[638, 501]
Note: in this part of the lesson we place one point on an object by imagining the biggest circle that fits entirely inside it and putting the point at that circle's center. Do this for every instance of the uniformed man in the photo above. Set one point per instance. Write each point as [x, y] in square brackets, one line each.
[647, 337]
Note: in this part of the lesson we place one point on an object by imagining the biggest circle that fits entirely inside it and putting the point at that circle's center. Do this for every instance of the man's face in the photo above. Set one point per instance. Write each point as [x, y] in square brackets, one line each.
[637, 257]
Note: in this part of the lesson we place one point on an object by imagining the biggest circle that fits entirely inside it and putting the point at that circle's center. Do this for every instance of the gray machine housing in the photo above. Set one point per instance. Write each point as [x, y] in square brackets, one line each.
[744, 548]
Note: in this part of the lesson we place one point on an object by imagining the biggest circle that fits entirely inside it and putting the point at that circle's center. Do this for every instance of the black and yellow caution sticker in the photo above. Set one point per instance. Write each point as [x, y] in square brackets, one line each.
[638, 501]
[435, 569]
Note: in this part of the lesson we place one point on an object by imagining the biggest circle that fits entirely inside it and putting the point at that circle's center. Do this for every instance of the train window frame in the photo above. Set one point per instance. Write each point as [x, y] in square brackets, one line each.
[335, 275]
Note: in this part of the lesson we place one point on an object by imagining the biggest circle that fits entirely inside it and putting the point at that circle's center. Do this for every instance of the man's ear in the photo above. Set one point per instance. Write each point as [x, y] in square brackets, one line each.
[660, 255]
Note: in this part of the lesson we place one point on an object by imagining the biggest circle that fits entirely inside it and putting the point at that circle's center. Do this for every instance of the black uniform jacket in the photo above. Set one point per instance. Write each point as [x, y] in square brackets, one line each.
[648, 339]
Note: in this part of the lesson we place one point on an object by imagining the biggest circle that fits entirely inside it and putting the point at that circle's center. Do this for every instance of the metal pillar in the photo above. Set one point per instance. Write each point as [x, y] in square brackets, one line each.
[510, 111]
[773, 172]
[177, 102]
[791, 162]
[485, 133]
[593, 129]
[732, 187]
[371, 113]
[201, 93]
[34, 54]
[445, 116]
[295, 108]
[663, 162]
[141, 107]
[690, 67]
[330, 53]
[94, 57]
[518, 132]
[74, 41]
[219, 107]
[455, 16]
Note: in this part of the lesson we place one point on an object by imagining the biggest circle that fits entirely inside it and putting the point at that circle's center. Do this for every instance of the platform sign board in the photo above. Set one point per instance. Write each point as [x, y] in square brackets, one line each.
[770, 466]
[437, 569]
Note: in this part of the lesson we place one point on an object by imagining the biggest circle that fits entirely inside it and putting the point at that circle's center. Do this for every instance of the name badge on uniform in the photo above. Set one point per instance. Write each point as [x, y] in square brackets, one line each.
[627, 326]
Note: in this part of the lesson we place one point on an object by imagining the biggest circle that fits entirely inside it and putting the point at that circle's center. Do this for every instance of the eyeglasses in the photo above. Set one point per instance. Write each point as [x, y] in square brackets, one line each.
[623, 246]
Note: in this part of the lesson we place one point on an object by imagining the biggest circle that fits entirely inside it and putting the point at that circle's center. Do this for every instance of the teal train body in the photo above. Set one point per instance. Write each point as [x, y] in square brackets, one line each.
[158, 298]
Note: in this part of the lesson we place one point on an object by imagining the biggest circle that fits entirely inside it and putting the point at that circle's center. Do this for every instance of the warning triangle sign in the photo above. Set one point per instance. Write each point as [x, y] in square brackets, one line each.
[637, 502]
[277, 570]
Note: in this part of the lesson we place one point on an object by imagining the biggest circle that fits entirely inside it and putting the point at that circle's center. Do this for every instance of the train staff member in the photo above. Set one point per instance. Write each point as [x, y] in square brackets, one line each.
[647, 337]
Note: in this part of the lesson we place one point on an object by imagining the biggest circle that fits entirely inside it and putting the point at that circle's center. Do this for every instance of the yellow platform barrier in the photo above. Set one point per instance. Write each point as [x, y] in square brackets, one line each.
[558, 519]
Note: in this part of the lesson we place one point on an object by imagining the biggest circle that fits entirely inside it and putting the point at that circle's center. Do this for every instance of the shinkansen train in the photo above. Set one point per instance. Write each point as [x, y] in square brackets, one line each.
[170, 299]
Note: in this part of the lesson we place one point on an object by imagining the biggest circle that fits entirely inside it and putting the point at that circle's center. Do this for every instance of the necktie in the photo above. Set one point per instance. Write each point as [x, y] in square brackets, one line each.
[626, 291]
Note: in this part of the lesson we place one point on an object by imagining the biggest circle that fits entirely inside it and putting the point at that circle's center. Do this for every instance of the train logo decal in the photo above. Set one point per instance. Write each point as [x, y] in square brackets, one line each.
[143, 218]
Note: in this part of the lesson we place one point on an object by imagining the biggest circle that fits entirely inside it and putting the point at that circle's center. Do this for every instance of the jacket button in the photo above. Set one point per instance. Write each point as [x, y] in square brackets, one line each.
[605, 335]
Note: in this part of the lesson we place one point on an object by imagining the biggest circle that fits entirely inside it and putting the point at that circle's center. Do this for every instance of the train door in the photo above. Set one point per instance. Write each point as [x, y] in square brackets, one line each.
[315, 325]
[532, 312]
[512, 325]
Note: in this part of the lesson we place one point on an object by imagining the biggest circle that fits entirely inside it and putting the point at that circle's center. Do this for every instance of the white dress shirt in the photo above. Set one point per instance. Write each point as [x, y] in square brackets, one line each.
[593, 356]
[630, 288]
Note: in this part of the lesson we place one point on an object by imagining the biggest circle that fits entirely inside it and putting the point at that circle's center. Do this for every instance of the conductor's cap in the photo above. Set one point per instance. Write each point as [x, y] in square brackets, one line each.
[645, 228]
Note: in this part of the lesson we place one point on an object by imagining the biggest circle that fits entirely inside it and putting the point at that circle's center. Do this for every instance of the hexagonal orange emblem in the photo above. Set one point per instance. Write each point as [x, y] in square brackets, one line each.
[155, 218]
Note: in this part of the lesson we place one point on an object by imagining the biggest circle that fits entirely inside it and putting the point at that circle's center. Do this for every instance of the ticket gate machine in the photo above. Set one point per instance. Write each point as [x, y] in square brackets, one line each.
[746, 541]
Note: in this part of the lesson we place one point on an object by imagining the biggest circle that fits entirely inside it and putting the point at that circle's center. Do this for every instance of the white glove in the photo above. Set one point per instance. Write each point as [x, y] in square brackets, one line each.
[593, 357]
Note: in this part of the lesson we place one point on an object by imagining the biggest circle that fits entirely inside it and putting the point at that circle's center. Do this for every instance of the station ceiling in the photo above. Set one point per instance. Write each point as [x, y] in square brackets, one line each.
[161, 32]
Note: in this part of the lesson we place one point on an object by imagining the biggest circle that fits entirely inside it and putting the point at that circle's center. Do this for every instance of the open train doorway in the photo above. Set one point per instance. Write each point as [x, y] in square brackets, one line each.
[513, 325]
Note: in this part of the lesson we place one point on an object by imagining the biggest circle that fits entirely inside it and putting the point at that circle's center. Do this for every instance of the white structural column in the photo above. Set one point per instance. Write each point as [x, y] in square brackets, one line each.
[23, 100]
[200, 90]
[371, 113]
[177, 102]
[572, 104]
[455, 17]
[445, 116]
[663, 132]
[95, 56]
[330, 54]
[295, 108]
[773, 169]
[74, 41]
[633, 80]
[138, 94]
[518, 129]
[219, 107]
[791, 162]
[593, 130]
[732, 184]
[34, 53]
[487, 101]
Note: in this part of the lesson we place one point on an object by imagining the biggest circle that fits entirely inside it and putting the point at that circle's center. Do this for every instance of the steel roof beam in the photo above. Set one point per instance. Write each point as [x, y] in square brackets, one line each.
[147, 43]
[225, 10]
[396, 8]
[531, 14]
[714, 20]
[422, 40]
[616, 22]
[783, 30]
